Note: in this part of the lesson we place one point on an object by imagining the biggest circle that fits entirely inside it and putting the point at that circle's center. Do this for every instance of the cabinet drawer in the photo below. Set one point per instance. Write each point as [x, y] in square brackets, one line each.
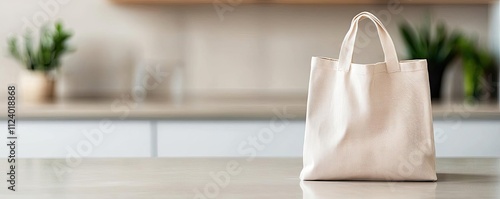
[230, 138]
[467, 138]
[92, 138]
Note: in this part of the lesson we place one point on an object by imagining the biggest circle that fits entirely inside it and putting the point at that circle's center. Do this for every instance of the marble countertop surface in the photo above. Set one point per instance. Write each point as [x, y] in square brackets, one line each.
[200, 178]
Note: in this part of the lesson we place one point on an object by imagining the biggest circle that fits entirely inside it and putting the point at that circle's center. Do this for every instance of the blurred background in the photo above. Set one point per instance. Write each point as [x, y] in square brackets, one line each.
[204, 78]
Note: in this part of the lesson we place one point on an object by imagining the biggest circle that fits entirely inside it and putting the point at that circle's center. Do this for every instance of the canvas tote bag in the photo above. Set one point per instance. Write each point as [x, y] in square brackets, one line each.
[369, 121]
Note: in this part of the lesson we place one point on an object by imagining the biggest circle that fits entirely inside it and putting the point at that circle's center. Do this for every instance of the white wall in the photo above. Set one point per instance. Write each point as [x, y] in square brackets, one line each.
[254, 47]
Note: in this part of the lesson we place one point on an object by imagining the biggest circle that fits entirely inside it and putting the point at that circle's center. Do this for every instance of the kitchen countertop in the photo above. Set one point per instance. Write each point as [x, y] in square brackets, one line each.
[238, 178]
[254, 107]
[190, 108]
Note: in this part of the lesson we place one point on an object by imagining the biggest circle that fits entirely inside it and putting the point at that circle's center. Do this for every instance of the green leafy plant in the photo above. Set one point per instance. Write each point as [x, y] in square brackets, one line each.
[436, 44]
[47, 55]
[476, 62]
[440, 48]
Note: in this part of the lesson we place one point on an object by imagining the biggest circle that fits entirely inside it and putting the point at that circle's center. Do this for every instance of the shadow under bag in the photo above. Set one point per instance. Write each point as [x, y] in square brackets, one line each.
[369, 121]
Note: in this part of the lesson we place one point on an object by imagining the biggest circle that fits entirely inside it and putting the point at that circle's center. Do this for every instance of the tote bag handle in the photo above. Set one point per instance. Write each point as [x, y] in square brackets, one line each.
[346, 52]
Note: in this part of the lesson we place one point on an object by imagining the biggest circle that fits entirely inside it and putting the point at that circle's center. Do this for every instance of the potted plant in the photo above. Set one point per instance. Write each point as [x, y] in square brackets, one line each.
[37, 82]
[438, 47]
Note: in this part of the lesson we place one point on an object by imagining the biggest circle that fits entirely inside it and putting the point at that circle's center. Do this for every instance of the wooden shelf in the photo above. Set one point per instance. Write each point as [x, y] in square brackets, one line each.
[305, 2]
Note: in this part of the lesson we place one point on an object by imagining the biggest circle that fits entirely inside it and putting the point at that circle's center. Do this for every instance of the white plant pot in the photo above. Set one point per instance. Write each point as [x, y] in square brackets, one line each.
[36, 87]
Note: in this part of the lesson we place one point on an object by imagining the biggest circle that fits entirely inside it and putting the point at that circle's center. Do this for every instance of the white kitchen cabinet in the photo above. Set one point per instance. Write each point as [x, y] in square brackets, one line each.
[81, 138]
[223, 138]
[467, 138]
[216, 138]
[454, 138]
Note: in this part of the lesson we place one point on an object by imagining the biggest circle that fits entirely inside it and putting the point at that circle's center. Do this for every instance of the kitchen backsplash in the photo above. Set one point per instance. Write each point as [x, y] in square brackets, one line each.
[251, 48]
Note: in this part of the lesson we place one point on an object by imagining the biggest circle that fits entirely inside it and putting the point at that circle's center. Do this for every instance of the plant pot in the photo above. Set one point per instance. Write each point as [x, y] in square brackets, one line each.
[436, 73]
[36, 87]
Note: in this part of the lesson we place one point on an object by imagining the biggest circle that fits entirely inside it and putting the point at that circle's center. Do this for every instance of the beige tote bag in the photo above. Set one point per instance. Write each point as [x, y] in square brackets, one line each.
[369, 121]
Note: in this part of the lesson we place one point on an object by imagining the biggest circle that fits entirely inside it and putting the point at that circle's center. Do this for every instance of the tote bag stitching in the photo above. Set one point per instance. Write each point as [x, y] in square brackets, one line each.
[404, 67]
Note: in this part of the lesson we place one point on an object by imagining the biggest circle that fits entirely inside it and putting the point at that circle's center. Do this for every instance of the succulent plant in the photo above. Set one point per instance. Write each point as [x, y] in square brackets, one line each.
[47, 55]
